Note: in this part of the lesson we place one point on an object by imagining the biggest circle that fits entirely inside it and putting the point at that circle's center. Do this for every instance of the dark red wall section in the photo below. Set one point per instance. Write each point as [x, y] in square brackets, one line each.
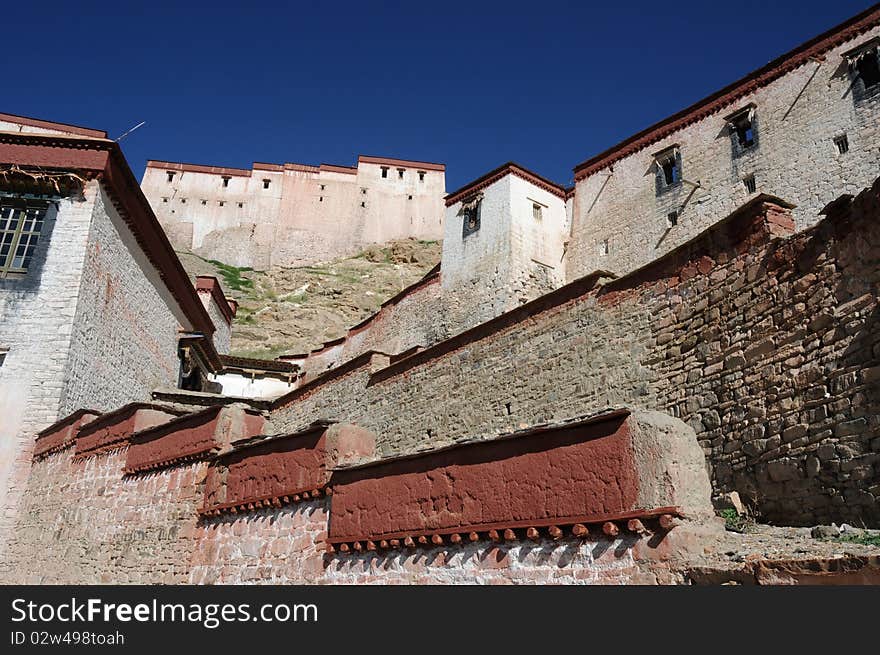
[282, 466]
[189, 436]
[565, 475]
[62, 434]
[113, 430]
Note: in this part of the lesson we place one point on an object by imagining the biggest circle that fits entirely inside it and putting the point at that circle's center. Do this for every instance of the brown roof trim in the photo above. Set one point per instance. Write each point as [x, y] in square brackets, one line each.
[732, 92]
[198, 168]
[510, 168]
[423, 165]
[204, 346]
[105, 158]
[332, 168]
[67, 420]
[211, 284]
[262, 166]
[305, 168]
[122, 413]
[229, 361]
[582, 420]
[50, 125]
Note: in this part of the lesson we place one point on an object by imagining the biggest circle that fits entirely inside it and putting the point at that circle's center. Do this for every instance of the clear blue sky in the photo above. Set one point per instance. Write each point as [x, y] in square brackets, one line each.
[473, 84]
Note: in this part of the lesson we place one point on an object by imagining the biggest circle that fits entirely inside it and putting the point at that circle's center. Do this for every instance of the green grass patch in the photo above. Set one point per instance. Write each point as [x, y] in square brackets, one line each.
[734, 522]
[863, 539]
[232, 275]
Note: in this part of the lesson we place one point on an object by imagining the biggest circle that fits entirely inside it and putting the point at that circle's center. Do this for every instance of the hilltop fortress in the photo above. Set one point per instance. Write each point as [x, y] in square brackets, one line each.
[293, 213]
[587, 375]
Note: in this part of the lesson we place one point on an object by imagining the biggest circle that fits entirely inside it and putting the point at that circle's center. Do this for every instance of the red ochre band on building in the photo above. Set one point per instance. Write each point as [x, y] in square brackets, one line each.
[549, 477]
[114, 429]
[269, 472]
[62, 434]
[190, 437]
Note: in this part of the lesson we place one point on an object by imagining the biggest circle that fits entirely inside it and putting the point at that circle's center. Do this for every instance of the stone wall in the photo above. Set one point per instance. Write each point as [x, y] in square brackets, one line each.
[798, 116]
[124, 335]
[36, 312]
[82, 522]
[86, 521]
[766, 346]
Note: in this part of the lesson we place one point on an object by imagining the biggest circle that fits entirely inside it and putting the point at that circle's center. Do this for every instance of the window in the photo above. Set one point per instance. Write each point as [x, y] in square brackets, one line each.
[164, 199]
[409, 197]
[864, 67]
[384, 171]
[536, 211]
[743, 128]
[421, 176]
[842, 144]
[222, 203]
[869, 70]
[225, 181]
[363, 192]
[363, 204]
[470, 213]
[266, 184]
[321, 199]
[170, 176]
[204, 202]
[322, 187]
[671, 219]
[668, 163]
[183, 201]
[604, 248]
[3, 353]
[749, 183]
[400, 173]
[240, 205]
[20, 228]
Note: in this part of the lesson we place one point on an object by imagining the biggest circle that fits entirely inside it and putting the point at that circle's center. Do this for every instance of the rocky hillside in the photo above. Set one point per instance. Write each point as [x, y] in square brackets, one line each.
[296, 309]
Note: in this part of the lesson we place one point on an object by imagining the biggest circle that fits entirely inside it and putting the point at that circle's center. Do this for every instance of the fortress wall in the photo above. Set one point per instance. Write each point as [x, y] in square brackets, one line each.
[798, 116]
[765, 346]
[82, 522]
[305, 214]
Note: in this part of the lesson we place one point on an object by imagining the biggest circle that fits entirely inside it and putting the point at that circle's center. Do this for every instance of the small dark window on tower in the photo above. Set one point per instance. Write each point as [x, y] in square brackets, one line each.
[842, 144]
[409, 197]
[170, 176]
[225, 181]
[671, 219]
[240, 205]
[749, 182]
[322, 187]
[222, 202]
[421, 176]
[363, 204]
[183, 201]
[470, 213]
[265, 184]
[743, 128]
[400, 173]
[321, 199]
[604, 248]
[869, 69]
[537, 213]
[668, 163]
[164, 199]
[3, 353]
[204, 202]
[864, 69]
[384, 171]
[363, 192]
